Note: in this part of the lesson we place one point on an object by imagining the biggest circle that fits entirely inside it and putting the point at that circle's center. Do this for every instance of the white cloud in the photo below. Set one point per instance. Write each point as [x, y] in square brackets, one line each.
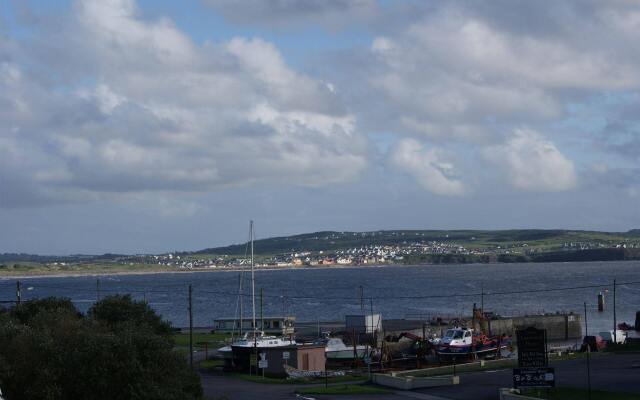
[533, 163]
[430, 167]
[454, 71]
[150, 110]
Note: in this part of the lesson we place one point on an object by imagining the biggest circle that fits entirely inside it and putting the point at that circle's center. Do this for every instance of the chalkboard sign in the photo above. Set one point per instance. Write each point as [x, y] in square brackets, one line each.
[532, 348]
[534, 378]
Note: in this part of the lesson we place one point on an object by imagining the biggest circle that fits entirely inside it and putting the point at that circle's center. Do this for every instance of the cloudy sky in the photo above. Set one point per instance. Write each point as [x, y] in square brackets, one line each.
[150, 126]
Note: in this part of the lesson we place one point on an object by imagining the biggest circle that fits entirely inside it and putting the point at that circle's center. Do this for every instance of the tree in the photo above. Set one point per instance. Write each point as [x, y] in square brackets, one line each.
[57, 353]
[121, 311]
[28, 310]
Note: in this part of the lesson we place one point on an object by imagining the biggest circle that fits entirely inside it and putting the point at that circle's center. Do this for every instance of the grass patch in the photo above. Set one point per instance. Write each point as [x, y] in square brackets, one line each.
[581, 394]
[503, 363]
[344, 389]
[298, 381]
[212, 363]
[266, 379]
[624, 348]
[182, 339]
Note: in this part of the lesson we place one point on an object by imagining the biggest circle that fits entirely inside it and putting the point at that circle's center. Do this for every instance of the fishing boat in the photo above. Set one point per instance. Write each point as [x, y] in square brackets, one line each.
[460, 343]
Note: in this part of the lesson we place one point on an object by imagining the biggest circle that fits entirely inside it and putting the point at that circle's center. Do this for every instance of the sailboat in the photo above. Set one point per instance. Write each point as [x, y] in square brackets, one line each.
[255, 339]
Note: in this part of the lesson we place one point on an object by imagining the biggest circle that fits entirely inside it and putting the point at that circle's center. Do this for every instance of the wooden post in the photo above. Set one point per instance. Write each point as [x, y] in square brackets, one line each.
[97, 289]
[454, 365]
[18, 293]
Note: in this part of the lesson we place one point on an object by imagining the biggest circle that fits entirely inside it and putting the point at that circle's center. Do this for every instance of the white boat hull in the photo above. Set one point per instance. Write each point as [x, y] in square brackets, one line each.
[344, 354]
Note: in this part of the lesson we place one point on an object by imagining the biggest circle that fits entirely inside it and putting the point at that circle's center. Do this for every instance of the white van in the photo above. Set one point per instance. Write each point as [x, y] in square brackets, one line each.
[621, 336]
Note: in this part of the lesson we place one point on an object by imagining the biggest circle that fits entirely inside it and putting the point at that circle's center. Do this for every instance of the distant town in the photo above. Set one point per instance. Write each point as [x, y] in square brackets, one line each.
[375, 254]
[328, 249]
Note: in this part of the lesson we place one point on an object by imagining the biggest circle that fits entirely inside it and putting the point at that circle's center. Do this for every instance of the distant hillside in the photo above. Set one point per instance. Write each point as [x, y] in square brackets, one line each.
[331, 240]
[23, 257]
[537, 240]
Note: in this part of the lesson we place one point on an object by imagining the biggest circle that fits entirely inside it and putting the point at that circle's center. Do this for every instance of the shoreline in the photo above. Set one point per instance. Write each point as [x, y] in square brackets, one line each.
[76, 274]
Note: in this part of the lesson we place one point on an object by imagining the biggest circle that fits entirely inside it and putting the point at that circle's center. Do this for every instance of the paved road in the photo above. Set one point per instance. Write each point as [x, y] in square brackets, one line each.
[609, 372]
[218, 387]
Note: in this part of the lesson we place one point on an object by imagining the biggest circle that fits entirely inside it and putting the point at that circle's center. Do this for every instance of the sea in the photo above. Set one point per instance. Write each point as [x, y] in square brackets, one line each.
[328, 294]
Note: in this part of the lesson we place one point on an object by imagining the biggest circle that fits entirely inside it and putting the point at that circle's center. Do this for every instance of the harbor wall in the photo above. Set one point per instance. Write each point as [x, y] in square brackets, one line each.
[558, 326]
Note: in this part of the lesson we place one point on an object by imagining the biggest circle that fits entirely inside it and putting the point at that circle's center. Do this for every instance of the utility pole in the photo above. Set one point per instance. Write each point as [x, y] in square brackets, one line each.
[373, 329]
[374, 334]
[482, 298]
[261, 314]
[190, 328]
[586, 333]
[253, 289]
[18, 293]
[253, 296]
[284, 312]
[240, 295]
[615, 320]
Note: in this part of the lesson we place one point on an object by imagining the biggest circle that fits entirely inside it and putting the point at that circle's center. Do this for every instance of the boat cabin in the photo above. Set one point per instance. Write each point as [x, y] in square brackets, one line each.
[274, 325]
[458, 337]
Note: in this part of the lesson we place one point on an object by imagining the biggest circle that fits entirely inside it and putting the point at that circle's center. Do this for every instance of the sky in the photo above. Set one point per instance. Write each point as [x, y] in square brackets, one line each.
[152, 126]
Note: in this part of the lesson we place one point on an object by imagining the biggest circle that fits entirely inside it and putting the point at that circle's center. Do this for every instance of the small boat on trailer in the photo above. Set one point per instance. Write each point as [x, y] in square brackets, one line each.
[460, 344]
[336, 350]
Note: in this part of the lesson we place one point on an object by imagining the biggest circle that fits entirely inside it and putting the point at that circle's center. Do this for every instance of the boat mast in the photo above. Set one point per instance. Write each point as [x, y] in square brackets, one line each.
[253, 284]
[240, 295]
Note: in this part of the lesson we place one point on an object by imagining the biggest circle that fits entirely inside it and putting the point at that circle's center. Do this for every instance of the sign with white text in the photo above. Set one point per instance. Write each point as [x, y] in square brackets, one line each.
[534, 378]
[532, 348]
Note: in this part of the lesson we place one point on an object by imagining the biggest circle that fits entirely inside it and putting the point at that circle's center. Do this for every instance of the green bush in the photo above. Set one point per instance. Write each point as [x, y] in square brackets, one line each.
[50, 351]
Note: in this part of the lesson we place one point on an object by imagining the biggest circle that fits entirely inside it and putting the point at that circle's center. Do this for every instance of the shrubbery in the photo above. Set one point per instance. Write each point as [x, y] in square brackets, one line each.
[120, 350]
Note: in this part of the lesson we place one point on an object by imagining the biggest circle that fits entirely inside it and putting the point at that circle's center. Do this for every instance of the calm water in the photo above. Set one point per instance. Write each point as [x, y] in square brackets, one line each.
[395, 292]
